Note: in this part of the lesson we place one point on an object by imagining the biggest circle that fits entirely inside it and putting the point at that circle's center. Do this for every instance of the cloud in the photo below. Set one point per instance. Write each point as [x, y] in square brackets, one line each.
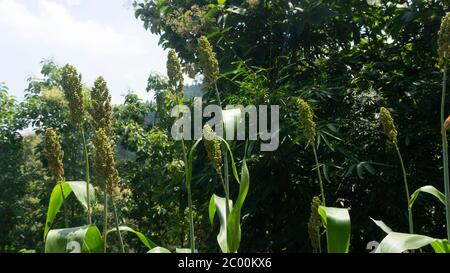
[73, 2]
[52, 24]
[39, 29]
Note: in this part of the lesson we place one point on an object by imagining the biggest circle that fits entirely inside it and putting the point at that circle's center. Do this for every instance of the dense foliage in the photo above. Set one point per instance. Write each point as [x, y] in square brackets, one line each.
[345, 58]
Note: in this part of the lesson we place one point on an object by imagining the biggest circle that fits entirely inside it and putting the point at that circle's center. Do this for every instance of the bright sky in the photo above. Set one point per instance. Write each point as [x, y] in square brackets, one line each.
[99, 37]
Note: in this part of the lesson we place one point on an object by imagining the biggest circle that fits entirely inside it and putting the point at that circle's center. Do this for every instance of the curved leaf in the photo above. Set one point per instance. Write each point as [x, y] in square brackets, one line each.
[382, 225]
[234, 219]
[337, 223]
[79, 189]
[56, 199]
[148, 243]
[220, 208]
[396, 242]
[430, 190]
[85, 239]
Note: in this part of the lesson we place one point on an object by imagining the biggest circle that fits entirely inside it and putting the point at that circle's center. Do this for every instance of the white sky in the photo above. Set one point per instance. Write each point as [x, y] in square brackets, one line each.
[99, 37]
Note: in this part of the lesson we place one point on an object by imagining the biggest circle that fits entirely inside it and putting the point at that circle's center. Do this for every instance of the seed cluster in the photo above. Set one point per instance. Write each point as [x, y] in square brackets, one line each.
[208, 62]
[388, 125]
[54, 154]
[306, 116]
[314, 224]
[176, 81]
[73, 91]
[101, 107]
[105, 164]
[444, 38]
[212, 146]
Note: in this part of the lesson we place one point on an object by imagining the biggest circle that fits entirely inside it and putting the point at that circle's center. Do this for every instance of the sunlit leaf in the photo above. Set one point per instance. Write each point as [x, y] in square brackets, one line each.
[430, 190]
[337, 224]
[85, 239]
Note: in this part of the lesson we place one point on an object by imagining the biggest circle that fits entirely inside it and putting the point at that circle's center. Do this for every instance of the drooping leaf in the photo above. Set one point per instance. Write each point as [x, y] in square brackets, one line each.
[337, 224]
[80, 191]
[56, 199]
[382, 225]
[147, 242]
[234, 219]
[396, 242]
[430, 190]
[85, 239]
[220, 208]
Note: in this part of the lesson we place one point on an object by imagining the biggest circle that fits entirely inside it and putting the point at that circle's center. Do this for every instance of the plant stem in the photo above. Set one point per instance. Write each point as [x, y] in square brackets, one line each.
[122, 248]
[66, 222]
[86, 161]
[410, 218]
[322, 192]
[227, 184]
[105, 219]
[189, 191]
[445, 151]
[191, 220]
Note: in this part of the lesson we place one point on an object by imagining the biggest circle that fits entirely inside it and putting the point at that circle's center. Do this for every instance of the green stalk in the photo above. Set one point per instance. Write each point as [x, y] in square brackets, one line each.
[445, 151]
[322, 192]
[105, 219]
[122, 248]
[225, 180]
[189, 192]
[410, 218]
[86, 161]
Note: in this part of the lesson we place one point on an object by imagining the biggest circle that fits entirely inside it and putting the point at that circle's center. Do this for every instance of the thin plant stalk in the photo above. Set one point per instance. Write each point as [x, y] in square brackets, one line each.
[445, 150]
[322, 192]
[105, 219]
[225, 180]
[86, 161]
[189, 192]
[410, 218]
[122, 248]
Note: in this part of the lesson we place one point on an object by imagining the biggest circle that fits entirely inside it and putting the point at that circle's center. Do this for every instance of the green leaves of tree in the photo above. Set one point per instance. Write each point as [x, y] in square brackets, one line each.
[337, 224]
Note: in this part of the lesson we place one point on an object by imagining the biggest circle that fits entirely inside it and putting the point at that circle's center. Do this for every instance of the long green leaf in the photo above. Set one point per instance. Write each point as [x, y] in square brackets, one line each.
[217, 204]
[56, 199]
[430, 190]
[190, 160]
[233, 164]
[234, 219]
[85, 239]
[147, 242]
[337, 223]
[396, 242]
[54, 205]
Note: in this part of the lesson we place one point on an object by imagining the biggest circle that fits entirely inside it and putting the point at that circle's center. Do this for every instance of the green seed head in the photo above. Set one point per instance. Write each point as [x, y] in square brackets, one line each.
[212, 146]
[105, 163]
[314, 224]
[176, 81]
[307, 119]
[208, 62]
[54, 155]
[73, 91]
[101, 107]
[444, 38]
[388, 125]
